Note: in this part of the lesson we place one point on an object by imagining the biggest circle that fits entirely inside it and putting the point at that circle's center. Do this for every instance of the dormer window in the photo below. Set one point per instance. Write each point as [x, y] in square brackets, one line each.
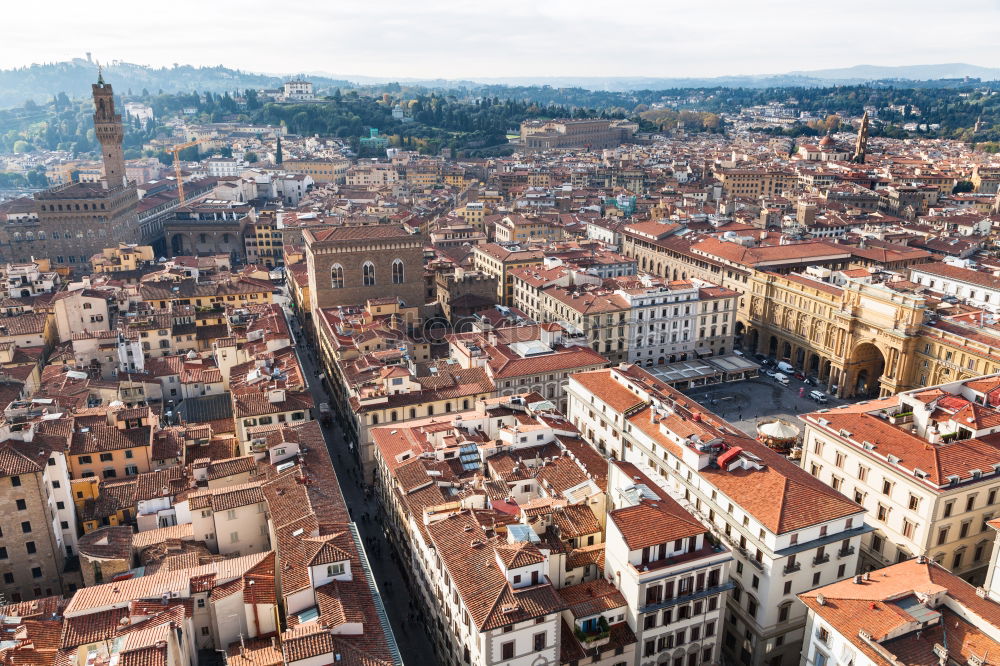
[335, 569]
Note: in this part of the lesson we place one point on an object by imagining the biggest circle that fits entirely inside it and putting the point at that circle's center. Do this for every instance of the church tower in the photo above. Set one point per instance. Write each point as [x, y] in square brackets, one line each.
[861, 146]
[108, 128]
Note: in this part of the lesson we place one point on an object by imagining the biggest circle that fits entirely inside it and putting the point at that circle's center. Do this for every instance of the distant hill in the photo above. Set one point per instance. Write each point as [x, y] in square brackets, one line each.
[40, 82]
[813, 78]
[955, 70]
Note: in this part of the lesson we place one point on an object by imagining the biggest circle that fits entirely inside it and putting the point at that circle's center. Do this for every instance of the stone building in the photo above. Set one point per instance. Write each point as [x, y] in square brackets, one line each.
[77, 220]
[208, 228]
[465, 293]
[858, 339]
[350, 265]
[31, 554]
[591, 133]
[105, 553]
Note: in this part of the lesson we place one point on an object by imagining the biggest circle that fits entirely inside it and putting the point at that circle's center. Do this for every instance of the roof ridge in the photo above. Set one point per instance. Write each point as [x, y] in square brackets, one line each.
[782, 503]
[493, 606]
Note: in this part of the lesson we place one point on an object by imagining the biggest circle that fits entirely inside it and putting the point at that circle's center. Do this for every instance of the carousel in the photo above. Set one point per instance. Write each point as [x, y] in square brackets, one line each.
[778, 434]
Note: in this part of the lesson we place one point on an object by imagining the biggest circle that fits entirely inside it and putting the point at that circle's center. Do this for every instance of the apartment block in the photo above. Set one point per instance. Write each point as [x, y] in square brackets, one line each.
[788, 531]
[925, 464]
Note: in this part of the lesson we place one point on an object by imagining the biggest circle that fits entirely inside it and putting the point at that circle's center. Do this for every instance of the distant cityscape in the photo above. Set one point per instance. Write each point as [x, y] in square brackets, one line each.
[315, 373]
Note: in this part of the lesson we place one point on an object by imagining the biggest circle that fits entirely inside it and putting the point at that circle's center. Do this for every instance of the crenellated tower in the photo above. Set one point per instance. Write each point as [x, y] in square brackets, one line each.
[109, 131]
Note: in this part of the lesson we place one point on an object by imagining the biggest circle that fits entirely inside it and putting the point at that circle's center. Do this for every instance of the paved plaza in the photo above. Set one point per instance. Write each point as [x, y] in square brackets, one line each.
[745, 403]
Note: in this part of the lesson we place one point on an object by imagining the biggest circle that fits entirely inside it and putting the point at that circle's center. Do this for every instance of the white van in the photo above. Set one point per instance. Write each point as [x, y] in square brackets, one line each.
[818, 396]
[782, 379]
[786, 367]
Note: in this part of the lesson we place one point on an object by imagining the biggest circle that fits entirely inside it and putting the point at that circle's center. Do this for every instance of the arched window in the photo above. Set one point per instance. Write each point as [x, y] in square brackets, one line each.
[397, 271]
[337, 276]
[368, 274]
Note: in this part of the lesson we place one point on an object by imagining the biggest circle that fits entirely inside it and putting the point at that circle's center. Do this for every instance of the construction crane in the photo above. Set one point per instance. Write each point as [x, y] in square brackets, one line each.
[177, 165]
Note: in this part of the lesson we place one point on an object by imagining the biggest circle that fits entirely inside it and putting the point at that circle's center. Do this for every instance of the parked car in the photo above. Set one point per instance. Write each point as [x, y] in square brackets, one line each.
[760, 358]
[768, 371]
[799, 376]
[812, 381]
[818, 396]
[781, 378]
[786, 367]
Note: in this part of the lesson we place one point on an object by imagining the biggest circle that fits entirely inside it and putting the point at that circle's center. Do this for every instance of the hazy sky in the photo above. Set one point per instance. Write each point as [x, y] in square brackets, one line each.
[453, 39]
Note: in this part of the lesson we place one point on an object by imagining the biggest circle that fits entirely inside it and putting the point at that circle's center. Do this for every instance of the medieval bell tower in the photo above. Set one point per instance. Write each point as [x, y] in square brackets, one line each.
[108, 128]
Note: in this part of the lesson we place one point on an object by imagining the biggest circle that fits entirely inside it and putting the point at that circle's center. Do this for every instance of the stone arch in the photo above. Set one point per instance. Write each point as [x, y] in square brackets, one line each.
[772, 346]
[866, 367]
[813, 366]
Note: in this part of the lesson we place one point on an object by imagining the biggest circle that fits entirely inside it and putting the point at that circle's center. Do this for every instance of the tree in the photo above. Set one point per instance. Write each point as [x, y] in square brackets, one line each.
[250, 157]
[36, 178]
[22, 146]
[962, 186]
[277, 153]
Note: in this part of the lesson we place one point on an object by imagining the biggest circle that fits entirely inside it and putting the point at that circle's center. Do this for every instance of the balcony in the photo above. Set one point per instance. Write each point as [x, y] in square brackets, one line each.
[792, 568]
[821, 559]
[845, 552]
[595, 636]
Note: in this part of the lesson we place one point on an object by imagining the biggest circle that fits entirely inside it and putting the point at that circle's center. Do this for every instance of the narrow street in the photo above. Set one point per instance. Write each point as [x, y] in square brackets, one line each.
[404, 613]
